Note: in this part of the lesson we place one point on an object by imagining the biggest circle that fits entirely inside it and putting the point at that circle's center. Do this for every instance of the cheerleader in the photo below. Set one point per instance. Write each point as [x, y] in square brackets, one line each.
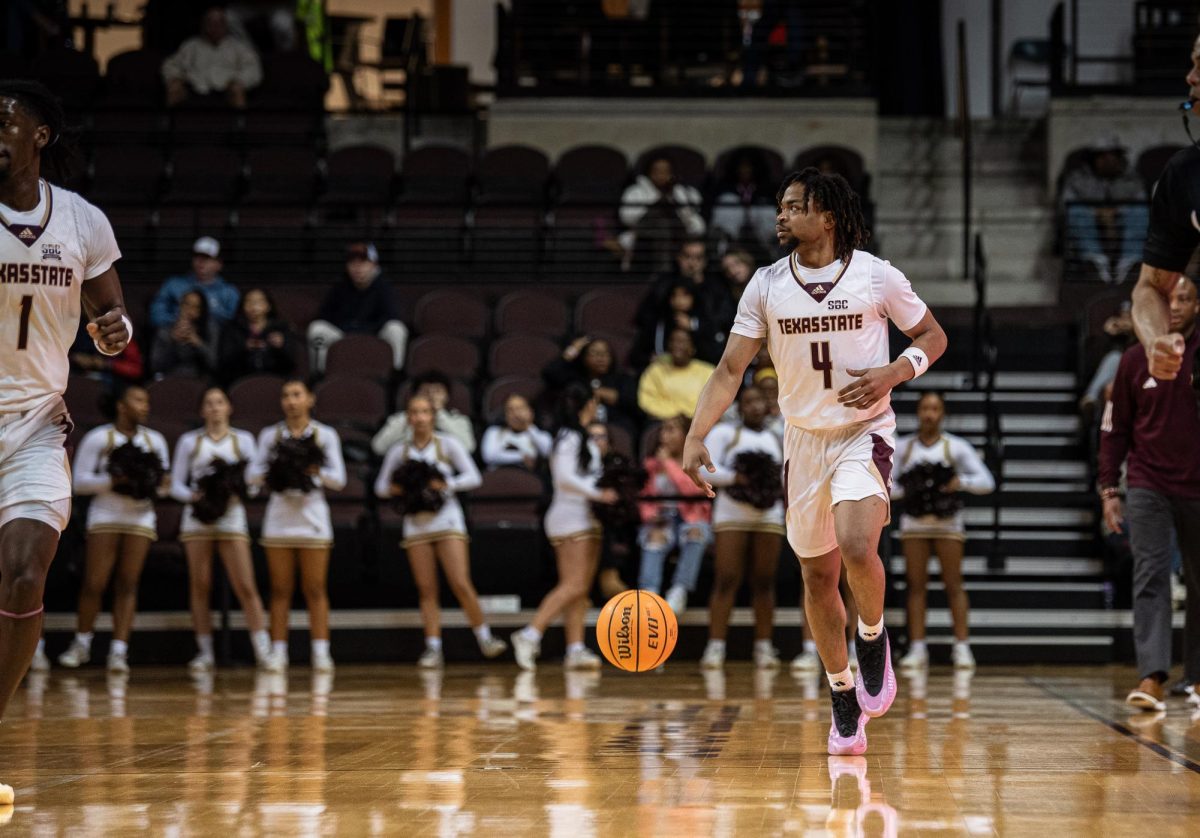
[574, 532]
[933, 527]
[437, 536]
[200, 456]
[742, 530]
[121, 523]
[297, 532]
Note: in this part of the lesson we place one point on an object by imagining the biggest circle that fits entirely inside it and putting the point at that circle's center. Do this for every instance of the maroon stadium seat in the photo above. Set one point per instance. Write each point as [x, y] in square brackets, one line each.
[531, 312]
[176, 397]
[771, 159]
[202, 175]
[606, 311]
[360, 175]
[255, 401]
[451, 313]
[521, 355]
[512, 175]
[453, 356]
[435, 175]
[281, 176]
[83, 401]
[126, 175]
[364, 356]
[489, 507]
[591, 175]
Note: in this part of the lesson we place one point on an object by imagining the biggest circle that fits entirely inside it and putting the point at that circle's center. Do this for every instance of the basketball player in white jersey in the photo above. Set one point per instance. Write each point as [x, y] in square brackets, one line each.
[56, 252]
[824, 310]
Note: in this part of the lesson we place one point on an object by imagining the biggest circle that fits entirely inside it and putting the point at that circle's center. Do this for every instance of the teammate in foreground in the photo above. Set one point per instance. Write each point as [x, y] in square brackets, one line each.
[823, 311]
[56, 250]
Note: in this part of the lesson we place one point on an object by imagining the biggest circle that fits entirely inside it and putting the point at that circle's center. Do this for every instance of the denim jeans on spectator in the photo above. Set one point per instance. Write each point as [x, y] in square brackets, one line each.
[1084, 233]
[659, 538]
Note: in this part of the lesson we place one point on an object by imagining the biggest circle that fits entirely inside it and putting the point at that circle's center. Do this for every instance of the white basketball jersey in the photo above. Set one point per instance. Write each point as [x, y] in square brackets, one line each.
[46, 255]
[821, 323]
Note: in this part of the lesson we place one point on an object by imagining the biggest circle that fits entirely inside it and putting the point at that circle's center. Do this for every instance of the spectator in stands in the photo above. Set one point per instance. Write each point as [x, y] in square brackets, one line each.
[1155, 432]
[671, 385]
[737, 267]
[712, 301]
[435, 386]
[1105, 201]
[363, 303]
[124, 369]
[766, 379]
[1119, 328]
[680, 310]
[212, 64]
[205, 277]
[189, 346]
[658, 213]
[671, 524]
[590, 361]
[518, 441]
[744, 209]
[258, 340]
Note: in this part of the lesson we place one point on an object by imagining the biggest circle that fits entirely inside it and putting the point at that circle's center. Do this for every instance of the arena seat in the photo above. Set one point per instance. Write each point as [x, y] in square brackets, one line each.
[133, 80]
[512, 175]
[255, 401]
[74, 77]
[521, 354]
[451, 355]
[360, 356]
[359, 175]
[448, 312]
[355, 407]
[772, 162]
[590, 175]
[435, 175]
[203, 175]
[687, 163]
[126, 175]
[490, 508]
[533, 313]
[281, 177]
[203, 124]
[606, 311]
[176, 397]
[83, 401]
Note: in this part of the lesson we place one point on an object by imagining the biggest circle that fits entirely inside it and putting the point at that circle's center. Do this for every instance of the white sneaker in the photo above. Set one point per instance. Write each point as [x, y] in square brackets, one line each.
[915, 659]
[582, 659]
[526, 651]
[322, 662]
[40, 662]
[713, 658]
[262, 655]
[1193, 697]
[277, 663]
[431, 659]
[766, 658]
[806, 662]
[961, 656]
[1178, 592]
[6, 795]
[201, 664]
[493, 647]
[76, 655]
[117, 663]
[677, 599]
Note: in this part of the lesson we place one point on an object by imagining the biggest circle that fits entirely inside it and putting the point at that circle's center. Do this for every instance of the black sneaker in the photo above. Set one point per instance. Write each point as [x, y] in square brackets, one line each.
[875, 681]
[848, 730]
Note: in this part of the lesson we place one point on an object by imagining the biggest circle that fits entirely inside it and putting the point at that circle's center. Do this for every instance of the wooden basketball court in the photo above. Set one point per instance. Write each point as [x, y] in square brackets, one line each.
[388, 750]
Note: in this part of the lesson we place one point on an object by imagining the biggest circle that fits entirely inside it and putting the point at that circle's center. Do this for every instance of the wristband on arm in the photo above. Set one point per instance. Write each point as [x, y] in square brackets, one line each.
[918, 359]
[128, 328]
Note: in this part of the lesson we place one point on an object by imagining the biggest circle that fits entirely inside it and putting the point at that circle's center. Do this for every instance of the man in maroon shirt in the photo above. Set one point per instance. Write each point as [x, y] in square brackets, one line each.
[1153, 426]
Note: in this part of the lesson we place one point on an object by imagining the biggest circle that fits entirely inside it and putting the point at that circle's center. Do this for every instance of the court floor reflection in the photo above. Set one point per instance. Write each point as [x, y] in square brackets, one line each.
[388, 750]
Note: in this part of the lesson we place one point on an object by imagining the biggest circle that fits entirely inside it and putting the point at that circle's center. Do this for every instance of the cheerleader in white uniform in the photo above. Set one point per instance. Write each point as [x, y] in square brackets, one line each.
[297, 531]
[120, 529]
[943, 536]
[575, 467]
[742, 531]
[433, 538]
[195, 454]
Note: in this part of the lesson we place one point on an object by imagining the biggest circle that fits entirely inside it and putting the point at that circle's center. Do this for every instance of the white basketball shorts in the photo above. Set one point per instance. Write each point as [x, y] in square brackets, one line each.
[35, 479]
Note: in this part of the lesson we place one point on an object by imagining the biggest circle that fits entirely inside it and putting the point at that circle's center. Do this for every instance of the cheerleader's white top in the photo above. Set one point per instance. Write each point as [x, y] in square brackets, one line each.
[725, 442]
[948, 449]
[194, 455]
[294, 518]
[109, 510]
[570, 512]
[448, 455]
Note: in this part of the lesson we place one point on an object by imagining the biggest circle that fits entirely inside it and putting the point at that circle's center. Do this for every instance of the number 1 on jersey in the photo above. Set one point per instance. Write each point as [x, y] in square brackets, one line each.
[821, 362]
[23, 334]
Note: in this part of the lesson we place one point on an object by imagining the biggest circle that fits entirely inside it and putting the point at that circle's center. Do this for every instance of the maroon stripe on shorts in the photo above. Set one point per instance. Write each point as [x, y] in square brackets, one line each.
[785, 482]
[881, 453]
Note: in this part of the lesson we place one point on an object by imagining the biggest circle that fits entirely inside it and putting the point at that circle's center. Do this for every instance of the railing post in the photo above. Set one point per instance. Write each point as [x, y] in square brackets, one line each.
[964, 115]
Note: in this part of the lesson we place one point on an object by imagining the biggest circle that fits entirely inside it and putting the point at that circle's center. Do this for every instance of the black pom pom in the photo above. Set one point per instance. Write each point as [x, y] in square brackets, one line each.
[135, 472]
[414, 477]
[291, 461]
[628, 478]
[223, 482]
[923, 495]
[759, 479]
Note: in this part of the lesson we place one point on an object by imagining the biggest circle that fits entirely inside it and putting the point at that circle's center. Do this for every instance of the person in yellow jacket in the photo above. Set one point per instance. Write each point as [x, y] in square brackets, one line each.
[673, 381]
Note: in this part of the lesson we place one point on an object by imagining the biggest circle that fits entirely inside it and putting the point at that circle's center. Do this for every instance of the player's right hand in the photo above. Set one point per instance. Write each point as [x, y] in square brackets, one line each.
[1166, 356]
[695, 454]
[1113, 515]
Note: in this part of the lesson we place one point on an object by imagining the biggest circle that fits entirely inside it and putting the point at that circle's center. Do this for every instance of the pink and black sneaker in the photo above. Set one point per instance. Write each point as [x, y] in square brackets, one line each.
[848, 731]
[875, 682]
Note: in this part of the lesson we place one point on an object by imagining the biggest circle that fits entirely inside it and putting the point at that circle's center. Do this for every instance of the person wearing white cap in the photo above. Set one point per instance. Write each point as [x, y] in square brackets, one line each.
[205, 277]
[363, 303]
[1104, 197]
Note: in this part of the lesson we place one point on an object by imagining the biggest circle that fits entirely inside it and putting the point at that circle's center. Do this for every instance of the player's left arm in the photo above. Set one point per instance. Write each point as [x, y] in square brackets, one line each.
[104, 304]
[871, 385]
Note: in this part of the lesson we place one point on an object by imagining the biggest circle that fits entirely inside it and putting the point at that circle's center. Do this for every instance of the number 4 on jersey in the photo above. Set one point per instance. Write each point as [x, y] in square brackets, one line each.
[821, 362]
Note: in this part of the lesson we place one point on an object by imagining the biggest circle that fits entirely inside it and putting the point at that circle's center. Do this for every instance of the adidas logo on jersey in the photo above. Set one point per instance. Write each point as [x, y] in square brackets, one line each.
[26, 235]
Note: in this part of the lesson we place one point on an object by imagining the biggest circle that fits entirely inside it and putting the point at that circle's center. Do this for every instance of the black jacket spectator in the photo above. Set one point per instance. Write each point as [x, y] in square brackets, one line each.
[188, 347]
[256, 341]
[591, 362]
[360, 310]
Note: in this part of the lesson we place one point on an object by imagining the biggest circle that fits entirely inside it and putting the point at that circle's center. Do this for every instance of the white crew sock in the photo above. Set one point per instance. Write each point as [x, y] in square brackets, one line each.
[433, 644]
[204, 644]
[84, 639]
[320, 647]
[279, 647]
[41, 649]
[261, 640]
[762, 647]
[573, 648]
[483, 633]
[867, 632]
[118, 647]
[962, 644]
[531, 633]
[810, 647]
[840, 682]
[917, 646]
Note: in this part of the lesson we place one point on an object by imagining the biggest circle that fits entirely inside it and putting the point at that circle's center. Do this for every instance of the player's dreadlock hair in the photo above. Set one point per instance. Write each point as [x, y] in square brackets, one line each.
[833, 194]
[60, 156]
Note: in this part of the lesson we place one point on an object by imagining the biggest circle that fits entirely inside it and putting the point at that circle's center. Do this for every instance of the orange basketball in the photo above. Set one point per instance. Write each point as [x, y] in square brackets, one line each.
[637, 631]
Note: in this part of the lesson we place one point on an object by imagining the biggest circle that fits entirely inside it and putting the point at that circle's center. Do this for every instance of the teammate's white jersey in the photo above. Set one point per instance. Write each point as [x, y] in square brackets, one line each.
[195, 452]
[46, 255]
[727, 440]
[821, 323]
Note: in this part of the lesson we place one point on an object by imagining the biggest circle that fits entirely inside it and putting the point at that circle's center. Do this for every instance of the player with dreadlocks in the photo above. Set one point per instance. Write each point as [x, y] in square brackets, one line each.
[56, 256]
[824, 310]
